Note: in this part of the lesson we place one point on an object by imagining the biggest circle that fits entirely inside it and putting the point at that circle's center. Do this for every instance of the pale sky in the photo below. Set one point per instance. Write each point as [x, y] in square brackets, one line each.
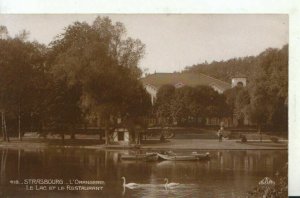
[173, 41]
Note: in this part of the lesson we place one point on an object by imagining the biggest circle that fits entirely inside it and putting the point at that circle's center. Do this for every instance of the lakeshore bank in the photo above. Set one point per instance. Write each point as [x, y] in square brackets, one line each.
[172, 144]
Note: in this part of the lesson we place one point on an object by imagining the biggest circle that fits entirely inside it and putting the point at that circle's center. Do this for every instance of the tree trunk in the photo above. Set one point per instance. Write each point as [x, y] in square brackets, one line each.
[259, 131]
[19, 162]
[19, 126]
[5, 128]
[2, 126]
[106, 136]
[139, 136]
[42, 128]
[133, 136]
[3, 166]
[100, 135]
[73, 132]
[72, 136]
[63, 138]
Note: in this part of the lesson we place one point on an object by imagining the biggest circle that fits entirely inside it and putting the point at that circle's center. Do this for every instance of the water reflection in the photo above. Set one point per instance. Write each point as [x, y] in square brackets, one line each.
[3, 167]
[227, 174]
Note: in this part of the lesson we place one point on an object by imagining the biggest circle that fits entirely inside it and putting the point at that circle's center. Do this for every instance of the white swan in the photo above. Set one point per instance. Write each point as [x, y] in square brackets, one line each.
[170, 185]
[129, 185]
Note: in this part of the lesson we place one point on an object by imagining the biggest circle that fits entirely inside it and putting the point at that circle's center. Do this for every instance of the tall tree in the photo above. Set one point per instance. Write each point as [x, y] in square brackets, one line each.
[269, 89]
[104, 65]
[163, 107]
[20, 66]
[238, 100]
[3, 32]
[225, 70]
[189, 104]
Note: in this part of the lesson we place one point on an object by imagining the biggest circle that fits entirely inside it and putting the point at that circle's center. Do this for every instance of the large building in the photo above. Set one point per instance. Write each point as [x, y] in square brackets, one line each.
[154, 81]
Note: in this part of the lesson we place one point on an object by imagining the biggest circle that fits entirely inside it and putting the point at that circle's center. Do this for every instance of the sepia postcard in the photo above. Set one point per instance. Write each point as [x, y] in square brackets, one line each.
[145, 104]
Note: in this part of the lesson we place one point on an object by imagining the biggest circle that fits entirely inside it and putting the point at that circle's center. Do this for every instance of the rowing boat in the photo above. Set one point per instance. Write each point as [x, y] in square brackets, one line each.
[183, 157]
[146, 157]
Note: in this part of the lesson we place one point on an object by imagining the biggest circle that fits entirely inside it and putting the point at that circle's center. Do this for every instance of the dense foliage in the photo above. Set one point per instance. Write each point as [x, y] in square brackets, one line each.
[189, 105]
[265, 98]
[268, 89]
[21, 81]
[225, 70]
[238, 100]
[89, 70]
[92, 71]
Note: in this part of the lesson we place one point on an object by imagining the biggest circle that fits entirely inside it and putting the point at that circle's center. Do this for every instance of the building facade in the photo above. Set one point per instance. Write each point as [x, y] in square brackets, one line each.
[153, 82]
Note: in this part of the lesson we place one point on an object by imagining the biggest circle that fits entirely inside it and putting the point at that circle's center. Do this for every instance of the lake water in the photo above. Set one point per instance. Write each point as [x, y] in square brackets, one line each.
[227, 174]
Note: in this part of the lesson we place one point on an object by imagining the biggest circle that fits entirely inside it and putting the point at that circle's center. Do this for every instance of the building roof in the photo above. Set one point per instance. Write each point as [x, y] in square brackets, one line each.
[190, 79]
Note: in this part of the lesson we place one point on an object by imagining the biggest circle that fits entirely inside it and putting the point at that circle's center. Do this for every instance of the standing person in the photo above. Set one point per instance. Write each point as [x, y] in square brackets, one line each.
[219, 135]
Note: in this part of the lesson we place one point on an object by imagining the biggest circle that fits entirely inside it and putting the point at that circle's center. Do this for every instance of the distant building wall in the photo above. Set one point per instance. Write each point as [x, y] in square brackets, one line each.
[121, 135]
[154, 81]
[217, 88]
[152, 91]
[238, 81]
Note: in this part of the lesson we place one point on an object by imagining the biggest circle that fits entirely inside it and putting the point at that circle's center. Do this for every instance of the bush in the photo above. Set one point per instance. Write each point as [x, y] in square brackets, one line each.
[243, 138]
[274, 139]
[162, 138]
[280, 190]
[234, 136]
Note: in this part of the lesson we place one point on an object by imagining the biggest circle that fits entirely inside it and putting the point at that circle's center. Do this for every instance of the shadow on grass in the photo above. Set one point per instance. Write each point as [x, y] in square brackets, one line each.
[71, 142]
[267, 144]
[153, 142]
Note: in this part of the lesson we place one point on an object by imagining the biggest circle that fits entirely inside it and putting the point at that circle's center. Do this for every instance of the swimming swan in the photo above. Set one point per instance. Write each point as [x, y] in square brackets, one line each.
[129, 185]
[170, 185]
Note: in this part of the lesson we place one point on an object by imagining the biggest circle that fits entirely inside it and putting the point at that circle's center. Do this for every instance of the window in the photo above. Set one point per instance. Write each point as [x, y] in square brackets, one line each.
[240, 84]
[120, 136]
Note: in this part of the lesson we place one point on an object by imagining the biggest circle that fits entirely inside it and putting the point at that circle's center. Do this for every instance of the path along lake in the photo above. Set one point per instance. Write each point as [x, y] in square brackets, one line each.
[229, 173]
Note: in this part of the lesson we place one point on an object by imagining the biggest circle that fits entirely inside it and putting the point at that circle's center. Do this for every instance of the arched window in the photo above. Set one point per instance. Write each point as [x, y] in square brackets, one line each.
[240, 84]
